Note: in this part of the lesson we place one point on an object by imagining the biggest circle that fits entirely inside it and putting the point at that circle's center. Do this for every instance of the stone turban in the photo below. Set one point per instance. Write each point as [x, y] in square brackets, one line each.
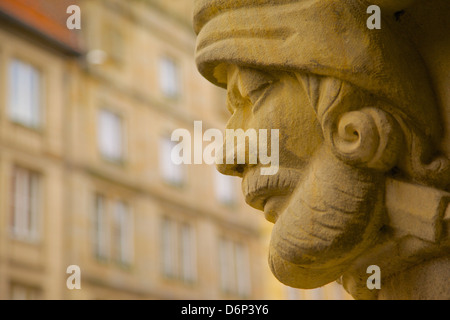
[326, 38]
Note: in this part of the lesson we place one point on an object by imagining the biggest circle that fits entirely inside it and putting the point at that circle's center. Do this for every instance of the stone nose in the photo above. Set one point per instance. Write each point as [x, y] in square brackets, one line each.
[232, 162]
[231, 169]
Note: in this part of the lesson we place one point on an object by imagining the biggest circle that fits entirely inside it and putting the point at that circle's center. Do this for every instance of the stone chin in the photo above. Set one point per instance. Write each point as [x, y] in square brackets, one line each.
[332, 217]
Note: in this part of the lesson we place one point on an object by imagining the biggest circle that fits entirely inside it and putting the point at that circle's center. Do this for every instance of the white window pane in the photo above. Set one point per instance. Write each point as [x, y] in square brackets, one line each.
[170, 171]
[35, 102]
[225, 188]
[169, 78]
[34, 206]
[292, 293]
[169, 248]
[128, 249]
[242, 270]
[118, 236]
[17, 91]
[188, 253]
[223, 261]
[165, 241]
[228, 266]
[316, 294]
[123, 233]
[337, 291]
[26, 205]
[20, 202]
[25, 93]
[20, 292]
[110, 135]
[14, 93]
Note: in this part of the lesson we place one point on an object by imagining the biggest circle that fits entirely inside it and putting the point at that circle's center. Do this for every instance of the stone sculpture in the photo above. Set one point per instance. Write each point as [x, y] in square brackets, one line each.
[364, 120]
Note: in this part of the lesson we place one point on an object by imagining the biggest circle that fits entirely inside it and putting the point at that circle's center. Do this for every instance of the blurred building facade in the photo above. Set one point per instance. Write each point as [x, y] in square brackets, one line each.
[86, 178]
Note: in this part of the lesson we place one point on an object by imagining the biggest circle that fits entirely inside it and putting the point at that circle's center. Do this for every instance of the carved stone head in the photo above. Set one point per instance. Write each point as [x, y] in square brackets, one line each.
[354, 107]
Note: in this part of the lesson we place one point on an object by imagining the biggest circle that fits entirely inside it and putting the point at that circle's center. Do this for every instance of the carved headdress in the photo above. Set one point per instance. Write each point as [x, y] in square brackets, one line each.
[328, 39]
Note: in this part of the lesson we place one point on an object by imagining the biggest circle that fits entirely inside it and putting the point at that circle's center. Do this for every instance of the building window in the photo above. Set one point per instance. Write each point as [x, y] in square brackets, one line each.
[172, 173]
[25, 94]
[225, 188]
[111, 136]
[122, 233]
[234, 268]
[22, 292]
[169, 78]
[25, 204]
[179, 257]
[113, 231]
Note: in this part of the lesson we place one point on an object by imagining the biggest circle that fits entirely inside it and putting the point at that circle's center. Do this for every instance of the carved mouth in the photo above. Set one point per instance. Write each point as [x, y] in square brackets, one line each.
[258, 189]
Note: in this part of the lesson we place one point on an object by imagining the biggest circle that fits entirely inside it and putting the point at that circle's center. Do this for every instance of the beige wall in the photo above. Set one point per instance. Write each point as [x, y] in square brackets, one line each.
[37, 264]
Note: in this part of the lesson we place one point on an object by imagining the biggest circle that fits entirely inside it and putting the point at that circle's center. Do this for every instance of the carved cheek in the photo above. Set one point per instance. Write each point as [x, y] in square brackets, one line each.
[300, 130]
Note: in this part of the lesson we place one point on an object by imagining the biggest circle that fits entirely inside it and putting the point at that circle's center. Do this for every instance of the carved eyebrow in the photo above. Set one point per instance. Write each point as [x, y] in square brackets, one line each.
[251, 80]
[242, 83]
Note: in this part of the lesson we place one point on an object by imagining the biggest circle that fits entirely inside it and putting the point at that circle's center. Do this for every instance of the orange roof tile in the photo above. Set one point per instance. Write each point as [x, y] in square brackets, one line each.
[45, 17]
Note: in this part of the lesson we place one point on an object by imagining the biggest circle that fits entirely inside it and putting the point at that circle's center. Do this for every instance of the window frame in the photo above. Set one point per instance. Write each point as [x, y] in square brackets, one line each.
[118, 238]
[36, 119]
[26, 226]
[173, 174]
[101, 234]
[170, 77]
[105, 154]
[123, 233]
[234, 272]
[230, 197]
[29, 292]
[177, 263]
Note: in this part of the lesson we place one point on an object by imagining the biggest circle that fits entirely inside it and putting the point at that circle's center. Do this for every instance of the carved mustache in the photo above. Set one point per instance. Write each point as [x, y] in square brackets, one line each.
[257, 188]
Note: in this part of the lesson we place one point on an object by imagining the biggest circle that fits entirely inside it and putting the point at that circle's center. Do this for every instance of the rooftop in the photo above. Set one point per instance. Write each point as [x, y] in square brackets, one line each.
[45, 19]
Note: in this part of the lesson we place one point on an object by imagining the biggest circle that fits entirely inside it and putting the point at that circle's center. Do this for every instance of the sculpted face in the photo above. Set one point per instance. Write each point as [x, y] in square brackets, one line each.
[260, 99]
[323, 209]
[337, 145]
[355, 110]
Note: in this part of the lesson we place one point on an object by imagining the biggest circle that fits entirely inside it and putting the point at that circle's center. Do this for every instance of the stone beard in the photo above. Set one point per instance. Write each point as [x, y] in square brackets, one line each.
[359, 128]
